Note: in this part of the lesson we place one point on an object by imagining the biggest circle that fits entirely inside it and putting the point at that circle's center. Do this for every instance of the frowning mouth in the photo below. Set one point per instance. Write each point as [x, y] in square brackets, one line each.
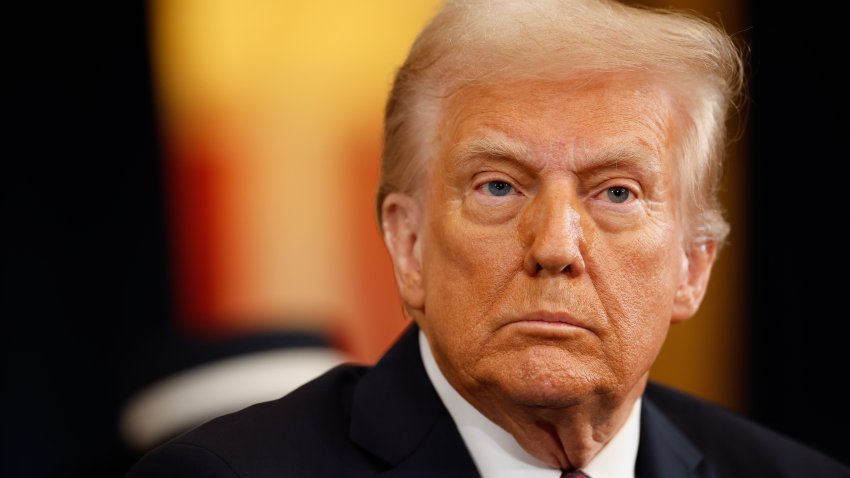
[548, 321]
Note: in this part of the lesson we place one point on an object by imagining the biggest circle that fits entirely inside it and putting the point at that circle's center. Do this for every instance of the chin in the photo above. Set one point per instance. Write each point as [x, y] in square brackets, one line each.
[551, 379]
[536, 397]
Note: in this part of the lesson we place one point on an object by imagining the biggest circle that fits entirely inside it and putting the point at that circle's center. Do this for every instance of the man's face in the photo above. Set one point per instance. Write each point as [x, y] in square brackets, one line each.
[550, 246]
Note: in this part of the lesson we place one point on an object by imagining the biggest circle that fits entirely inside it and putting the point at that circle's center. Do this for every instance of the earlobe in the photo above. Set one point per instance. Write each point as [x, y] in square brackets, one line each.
[402, 221]
[697, 262]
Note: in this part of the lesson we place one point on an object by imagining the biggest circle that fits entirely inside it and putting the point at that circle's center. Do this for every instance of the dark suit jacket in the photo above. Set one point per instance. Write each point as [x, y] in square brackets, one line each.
[387, 420]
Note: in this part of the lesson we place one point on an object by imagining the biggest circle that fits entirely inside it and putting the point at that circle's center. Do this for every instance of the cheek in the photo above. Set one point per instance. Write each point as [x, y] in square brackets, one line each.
[466, 269]
[636, 281]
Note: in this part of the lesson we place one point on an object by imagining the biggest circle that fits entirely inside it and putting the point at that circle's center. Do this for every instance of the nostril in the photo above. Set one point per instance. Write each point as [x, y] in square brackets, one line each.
[565, 269]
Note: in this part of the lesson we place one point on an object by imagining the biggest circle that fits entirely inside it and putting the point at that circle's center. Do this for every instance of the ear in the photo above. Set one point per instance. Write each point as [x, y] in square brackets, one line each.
[402, 221]
[697, 261]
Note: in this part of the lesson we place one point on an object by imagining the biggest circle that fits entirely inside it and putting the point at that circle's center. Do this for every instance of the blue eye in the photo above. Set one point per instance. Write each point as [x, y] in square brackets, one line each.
[618, 194]
[499, 188]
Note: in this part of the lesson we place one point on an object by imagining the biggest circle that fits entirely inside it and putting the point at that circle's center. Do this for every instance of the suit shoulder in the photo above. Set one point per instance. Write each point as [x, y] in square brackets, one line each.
[731, 441]
[179, 460]
[266, 438]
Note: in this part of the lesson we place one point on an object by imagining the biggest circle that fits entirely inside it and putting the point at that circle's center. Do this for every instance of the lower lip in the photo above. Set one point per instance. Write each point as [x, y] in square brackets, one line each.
[546, 327]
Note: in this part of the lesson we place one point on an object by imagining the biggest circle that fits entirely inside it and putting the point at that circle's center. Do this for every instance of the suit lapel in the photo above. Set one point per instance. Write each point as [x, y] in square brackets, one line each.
[398, 417]
[664, 452]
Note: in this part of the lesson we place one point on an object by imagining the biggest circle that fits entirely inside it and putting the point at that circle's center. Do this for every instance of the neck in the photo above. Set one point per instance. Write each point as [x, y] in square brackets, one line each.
[567, 437]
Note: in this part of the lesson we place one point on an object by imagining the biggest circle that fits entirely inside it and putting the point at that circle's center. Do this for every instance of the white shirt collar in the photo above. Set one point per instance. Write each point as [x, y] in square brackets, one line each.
[497, 454]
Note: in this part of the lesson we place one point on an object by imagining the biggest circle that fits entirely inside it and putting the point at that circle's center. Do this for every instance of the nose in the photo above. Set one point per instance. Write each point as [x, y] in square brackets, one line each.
[554, 235]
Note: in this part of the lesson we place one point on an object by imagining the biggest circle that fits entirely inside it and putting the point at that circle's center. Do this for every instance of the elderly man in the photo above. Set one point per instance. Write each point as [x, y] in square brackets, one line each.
[548, 200]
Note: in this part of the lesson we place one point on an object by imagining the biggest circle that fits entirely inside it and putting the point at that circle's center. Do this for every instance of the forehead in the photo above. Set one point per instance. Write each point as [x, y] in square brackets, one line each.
[580, 118]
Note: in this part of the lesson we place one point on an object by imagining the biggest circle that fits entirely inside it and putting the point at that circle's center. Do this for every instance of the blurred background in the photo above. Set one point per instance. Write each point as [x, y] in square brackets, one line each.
[188, 225]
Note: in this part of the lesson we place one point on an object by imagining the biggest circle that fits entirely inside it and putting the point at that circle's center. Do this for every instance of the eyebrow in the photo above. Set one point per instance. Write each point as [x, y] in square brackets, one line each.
[492, 146]
[626, 156]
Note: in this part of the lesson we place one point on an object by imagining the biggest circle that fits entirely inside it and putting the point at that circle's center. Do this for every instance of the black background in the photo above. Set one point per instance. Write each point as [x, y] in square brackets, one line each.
[85, 284]
[799, 131]
[86, 295]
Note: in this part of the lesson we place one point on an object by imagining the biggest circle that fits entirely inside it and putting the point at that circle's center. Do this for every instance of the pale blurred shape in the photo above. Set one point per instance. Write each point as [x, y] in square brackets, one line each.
[191, 397]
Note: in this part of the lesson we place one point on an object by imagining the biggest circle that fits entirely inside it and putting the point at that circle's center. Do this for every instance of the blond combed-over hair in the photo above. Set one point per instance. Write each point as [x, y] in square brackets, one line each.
[491, 41]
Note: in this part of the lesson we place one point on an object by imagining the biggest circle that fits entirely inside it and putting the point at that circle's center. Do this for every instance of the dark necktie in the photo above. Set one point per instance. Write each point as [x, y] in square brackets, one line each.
[574, 474]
